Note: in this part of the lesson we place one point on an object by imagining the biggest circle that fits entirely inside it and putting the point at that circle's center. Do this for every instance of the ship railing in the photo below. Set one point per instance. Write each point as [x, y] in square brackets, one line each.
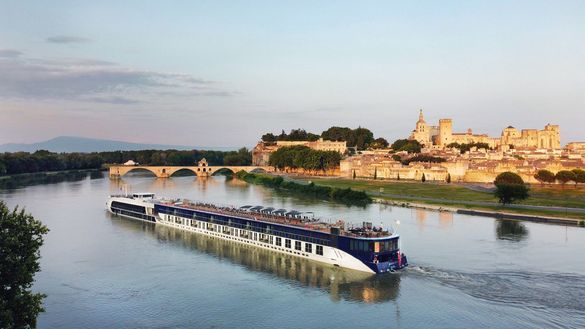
[315, 225]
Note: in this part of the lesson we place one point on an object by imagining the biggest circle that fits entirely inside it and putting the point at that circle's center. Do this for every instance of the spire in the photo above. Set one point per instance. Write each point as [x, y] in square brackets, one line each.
[420, 116]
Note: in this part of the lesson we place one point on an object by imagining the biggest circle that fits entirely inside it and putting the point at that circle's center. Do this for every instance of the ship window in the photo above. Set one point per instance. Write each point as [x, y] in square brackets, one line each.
[319, 250]
[287, 243]
[278, 241]
[298, 245]
[308, 247]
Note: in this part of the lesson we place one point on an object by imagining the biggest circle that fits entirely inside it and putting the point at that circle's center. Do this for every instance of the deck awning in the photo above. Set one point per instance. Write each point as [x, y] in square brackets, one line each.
[280, 211]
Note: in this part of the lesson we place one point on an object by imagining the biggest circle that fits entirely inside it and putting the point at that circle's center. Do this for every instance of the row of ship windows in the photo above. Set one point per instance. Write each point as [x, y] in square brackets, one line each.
[268, 231]
[245, 234]
[357, 245]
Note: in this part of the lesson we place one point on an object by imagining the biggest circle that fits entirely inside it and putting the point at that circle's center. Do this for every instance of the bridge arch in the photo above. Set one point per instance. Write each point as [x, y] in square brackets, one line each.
[182, 170]
[219, 171]
[137, 170]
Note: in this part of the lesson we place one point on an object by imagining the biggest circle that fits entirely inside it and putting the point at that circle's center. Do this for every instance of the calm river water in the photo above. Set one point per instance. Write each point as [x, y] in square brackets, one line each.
[100, 271]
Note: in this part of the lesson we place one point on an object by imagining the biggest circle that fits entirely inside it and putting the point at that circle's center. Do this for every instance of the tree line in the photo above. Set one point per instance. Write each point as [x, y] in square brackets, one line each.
[563, 176]
[41, 161]
[295, 157]
[360, 138]
[465, 147]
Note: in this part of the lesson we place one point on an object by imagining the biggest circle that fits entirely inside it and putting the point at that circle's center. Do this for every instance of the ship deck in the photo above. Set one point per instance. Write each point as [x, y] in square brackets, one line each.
[301, 222]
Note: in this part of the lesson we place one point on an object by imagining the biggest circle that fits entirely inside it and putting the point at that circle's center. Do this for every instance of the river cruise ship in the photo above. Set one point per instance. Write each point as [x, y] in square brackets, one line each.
[365, 248]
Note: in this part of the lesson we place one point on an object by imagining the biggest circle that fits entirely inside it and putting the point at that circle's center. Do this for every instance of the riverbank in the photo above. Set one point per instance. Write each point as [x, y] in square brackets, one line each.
[346, 196]
[487, 213]
[566, 206]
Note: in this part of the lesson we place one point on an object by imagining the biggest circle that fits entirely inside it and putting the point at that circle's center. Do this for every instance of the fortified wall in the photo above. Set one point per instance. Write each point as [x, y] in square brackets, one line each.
[459, 170]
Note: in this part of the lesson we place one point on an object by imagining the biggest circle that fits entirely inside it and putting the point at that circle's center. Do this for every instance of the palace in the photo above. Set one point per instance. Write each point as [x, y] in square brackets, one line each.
[439, 137]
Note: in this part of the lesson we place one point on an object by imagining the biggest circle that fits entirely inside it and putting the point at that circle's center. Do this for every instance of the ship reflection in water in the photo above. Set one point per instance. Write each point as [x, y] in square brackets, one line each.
[341, 284]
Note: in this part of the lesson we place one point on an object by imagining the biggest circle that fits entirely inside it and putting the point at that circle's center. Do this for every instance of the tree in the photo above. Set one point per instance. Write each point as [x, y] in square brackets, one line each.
[423, 158]
[545, 176]
[21, 237]
[565, 176]
[242, 157]
[579, 176]
[354, 174]
[510, 187]
[269, 138]
[423, 179]
[398, 177]
[410, 146]
[375, 172]
[359, 137]
[379, 143]
[448, 178]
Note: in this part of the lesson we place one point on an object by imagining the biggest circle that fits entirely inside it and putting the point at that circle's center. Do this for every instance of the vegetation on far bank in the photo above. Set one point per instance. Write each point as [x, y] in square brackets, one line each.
[343, 195]
[43, 161]
[295, 157]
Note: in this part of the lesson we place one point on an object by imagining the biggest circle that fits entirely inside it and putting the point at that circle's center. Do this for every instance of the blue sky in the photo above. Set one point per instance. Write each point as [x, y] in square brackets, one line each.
[215, 73]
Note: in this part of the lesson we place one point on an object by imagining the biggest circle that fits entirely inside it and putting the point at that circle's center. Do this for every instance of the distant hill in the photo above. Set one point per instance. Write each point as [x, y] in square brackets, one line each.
[81, 144]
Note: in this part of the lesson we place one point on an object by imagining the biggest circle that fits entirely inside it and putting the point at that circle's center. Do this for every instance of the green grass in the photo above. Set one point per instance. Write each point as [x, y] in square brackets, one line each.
[453, 195]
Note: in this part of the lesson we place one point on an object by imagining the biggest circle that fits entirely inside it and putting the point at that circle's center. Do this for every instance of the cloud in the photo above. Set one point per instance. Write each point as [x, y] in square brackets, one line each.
[113, 100]
[10, 53]
[95, 81]
[64, 39]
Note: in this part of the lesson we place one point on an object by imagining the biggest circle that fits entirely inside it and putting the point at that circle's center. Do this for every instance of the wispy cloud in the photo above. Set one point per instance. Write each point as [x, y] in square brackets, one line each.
[10, 53]
[65, 39]
[95, 81]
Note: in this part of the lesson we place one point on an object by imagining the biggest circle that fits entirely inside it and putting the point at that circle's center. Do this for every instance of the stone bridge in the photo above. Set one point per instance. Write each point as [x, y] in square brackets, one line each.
[201, 169]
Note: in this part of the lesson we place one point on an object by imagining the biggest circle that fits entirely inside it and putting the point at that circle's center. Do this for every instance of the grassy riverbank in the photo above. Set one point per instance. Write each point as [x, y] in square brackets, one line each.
[464, 197]
[345, 195]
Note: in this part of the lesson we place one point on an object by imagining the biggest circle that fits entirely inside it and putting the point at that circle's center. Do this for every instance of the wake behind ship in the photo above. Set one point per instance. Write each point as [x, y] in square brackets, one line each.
[366, 248]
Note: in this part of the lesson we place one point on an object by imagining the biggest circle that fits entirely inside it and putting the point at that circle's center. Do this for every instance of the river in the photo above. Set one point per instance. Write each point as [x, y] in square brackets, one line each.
[101, 271]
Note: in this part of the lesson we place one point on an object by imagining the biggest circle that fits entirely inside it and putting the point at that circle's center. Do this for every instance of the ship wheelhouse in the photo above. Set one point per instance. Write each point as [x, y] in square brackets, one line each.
[380, 254]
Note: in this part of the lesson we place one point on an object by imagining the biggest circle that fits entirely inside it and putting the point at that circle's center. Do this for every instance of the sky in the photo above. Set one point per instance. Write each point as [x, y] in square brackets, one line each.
[222, 73]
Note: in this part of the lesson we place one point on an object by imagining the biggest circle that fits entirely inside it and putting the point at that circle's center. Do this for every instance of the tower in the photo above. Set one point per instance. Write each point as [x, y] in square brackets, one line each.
[421, 132]
[445, 132]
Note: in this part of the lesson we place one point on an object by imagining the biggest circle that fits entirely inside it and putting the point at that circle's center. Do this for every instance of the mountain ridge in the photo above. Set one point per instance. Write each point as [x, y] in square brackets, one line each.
[86, 145]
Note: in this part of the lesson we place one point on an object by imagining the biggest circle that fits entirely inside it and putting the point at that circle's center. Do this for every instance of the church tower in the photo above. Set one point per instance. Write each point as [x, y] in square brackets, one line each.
[421, 133]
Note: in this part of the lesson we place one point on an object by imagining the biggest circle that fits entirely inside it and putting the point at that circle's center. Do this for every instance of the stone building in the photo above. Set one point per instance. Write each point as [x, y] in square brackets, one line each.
[262, 150]
[440, 136]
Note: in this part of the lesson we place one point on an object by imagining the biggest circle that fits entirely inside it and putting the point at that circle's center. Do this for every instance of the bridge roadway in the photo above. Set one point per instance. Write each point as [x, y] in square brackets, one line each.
[117, 171]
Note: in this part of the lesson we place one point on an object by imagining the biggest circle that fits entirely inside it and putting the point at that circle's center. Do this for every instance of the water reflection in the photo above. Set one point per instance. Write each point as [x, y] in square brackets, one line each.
[19, 181]
[341, 284]
[445, 219]
[511, 230]
[421, 218]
